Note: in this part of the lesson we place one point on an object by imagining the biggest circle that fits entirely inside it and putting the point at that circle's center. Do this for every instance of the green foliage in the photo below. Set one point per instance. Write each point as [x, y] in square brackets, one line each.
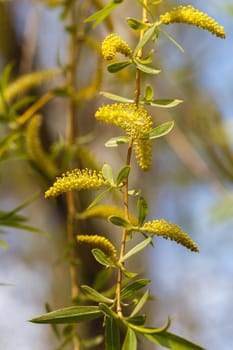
[119, 297]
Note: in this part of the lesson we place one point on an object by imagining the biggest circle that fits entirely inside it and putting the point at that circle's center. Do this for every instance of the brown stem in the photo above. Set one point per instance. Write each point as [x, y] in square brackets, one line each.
[71, 134]
[124, 233]
[72, 129]
[126, 187]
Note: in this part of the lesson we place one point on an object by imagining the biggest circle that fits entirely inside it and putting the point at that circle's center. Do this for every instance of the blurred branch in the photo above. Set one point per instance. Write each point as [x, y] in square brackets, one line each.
[192, 159]
[28, 43]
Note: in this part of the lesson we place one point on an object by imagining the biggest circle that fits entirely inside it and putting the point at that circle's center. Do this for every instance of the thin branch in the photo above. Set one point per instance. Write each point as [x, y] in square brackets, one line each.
[128, 160]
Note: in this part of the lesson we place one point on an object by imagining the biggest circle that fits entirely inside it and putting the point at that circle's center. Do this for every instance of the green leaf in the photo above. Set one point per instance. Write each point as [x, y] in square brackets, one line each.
[136, 24]
[99, 198]
[137, 249]
[116, 67]
[130, 342]
[119, 221]
[128, 274]
[116, 97]
[172, 341]
[160, 130]
[172, 40]
[53, 326]
[95, 296]
[112, 334]
[146, 37]
[73, 314]
[142, 208]
[137, 320]
[145, 68]
[149, 93]
[102, 278]
[140, 303]
[107, 173]
[150, 330]
[162, 103]
[101, 257]
[123, 175]
[133, 287]
[100, 15]
[116, 141]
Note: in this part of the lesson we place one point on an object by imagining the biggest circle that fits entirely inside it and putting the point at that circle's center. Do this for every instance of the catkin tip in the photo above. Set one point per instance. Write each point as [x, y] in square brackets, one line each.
[191, 15]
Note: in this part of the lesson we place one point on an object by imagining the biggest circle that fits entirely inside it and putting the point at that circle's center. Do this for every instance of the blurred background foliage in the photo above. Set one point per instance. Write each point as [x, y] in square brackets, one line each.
[190, 183]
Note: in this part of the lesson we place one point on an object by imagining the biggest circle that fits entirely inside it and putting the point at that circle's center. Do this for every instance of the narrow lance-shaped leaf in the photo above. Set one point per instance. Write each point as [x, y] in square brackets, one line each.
[140, 303]
[172, 40]
[149, 93]
[99, 198]
[95, 296]
[112, 334]
[150, 330]
[107, 173]
[136, 24]
[133, 287]
[146, 37]
[172, 341]
[137, 249]
[102, 278]
[142, 208]
[100, 15]
[145, 68]
[102, 258]
[116, 67]
[160, 130]
[138, 320]
[116, 141]
[74, 314]
[130, 341]
[54, 327]
[128, 274]
[162, 103]
[123, 175]
[119, 221]
[116, 97]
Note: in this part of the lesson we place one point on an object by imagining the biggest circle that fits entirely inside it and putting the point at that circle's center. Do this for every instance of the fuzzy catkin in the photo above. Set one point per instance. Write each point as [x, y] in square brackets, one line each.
[113, 44]
[100, 242]
[143, 151]
[169, 230]
[133, 119]
[190, 15]
[103, 211]
[77, 179]
[35, 149]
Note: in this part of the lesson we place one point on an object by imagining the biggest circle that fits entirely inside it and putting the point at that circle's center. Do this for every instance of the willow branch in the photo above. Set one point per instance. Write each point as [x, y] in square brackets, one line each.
[128, 160]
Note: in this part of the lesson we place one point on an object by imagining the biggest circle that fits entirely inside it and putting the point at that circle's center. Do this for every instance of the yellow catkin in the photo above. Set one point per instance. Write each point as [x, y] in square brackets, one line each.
[104, 211]
[169, 230]
[143, 151]
[190, 15]
[113, 44]
[133, 119]
[100, 242]
[35, 149]
[77, 179]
